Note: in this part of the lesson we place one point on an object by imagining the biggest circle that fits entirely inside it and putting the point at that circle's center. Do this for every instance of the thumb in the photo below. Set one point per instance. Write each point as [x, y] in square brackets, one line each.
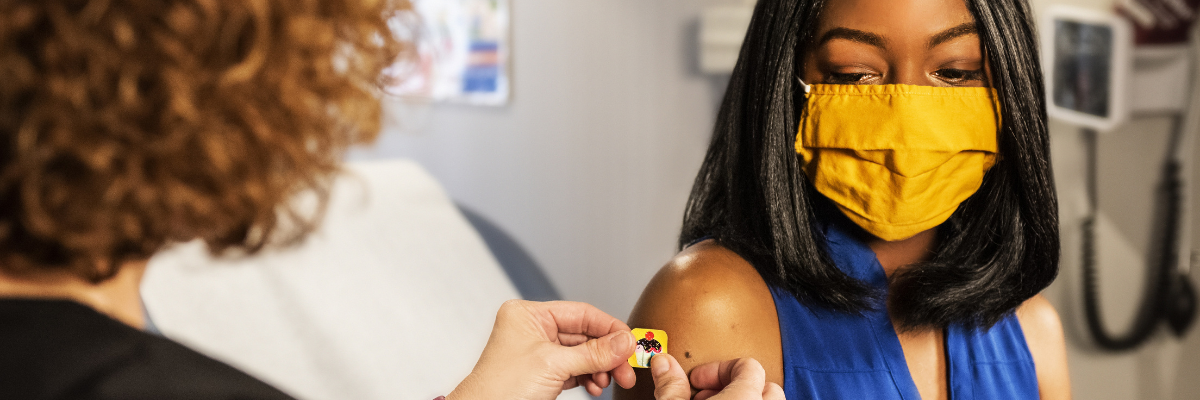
[670, 382]
[748, 378]
[596, 355]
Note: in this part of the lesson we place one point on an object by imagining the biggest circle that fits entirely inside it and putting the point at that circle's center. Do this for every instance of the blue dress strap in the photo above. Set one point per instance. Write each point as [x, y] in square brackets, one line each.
[991, 364]
[834, 355]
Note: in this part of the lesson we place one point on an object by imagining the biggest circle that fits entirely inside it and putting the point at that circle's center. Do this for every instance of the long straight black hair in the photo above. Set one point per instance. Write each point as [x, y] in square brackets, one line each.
[1000, 247]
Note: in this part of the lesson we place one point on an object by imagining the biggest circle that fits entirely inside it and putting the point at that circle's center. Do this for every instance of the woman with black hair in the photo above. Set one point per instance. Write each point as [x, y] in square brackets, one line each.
[885, 231]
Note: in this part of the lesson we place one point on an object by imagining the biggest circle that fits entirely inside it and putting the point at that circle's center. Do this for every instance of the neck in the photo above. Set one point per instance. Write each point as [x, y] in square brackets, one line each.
[118, 297]
[895, 256]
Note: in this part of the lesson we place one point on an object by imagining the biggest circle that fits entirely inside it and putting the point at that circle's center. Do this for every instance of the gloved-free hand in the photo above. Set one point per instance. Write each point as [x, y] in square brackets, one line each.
[740, 379]
[537, 350]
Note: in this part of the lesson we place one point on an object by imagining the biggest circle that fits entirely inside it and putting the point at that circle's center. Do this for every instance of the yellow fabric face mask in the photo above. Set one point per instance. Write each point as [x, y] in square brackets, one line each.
[898, 159]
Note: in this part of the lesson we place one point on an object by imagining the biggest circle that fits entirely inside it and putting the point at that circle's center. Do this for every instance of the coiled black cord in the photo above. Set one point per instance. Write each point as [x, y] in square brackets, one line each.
[1168, 294]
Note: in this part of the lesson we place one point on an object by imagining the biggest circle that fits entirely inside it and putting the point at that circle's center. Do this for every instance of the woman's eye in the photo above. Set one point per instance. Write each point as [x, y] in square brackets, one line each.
[845, 79]
[952, 75]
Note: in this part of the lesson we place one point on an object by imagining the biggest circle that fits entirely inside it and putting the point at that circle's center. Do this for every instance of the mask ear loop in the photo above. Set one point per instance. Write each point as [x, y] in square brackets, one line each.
[807, 87]
[807, 96]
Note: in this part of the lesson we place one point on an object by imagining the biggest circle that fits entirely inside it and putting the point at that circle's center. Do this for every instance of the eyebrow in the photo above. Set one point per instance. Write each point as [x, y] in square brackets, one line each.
[853, 35]
[876, 40]
[953, 33]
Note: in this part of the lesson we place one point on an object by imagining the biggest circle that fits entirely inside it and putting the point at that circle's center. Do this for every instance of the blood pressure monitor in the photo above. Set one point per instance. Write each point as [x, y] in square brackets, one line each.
[1087, 58]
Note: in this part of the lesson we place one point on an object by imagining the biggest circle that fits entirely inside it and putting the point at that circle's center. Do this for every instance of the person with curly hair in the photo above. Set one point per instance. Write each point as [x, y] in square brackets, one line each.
[127, 126]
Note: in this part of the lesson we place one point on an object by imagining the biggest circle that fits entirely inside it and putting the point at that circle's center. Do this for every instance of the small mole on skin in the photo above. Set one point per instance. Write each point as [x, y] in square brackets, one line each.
[687, 354]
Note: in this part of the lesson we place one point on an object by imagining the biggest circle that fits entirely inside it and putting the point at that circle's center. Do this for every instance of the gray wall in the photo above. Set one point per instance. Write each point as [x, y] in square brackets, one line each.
[591, 163]
[590, 166]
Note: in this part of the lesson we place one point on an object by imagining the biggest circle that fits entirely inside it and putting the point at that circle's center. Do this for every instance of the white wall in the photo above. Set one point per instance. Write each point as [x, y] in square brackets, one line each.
[590, 165]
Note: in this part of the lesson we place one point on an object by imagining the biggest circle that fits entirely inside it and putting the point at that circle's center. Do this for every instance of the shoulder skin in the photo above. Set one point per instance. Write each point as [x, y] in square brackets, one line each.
[1044, 336]
[714, 306]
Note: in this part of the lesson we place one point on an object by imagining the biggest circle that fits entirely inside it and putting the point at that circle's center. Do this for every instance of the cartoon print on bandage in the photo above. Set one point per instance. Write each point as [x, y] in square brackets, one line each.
[650, 343]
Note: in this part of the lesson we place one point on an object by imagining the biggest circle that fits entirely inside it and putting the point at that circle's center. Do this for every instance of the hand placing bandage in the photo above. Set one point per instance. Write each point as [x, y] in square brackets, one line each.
[537, 350]
[741, 379]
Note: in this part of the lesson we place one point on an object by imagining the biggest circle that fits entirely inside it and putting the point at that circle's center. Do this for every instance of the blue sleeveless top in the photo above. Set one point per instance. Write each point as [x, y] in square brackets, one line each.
[833, 355]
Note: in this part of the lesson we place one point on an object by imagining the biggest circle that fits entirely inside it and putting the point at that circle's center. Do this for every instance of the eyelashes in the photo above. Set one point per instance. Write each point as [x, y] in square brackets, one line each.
[951, 76]
[845, 79]
[957, 76]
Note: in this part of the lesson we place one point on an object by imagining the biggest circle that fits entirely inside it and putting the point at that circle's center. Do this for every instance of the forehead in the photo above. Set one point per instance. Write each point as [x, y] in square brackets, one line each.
[918, 18]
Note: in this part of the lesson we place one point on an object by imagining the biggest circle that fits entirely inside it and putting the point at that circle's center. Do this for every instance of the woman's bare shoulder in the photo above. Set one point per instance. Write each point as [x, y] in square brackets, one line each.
[714, 306]
[712, 267]
[1044, 336]
[706, 286]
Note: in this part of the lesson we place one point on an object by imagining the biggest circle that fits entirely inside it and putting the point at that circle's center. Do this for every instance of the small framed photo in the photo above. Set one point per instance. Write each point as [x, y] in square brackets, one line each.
[1086, 55]
[459, 52]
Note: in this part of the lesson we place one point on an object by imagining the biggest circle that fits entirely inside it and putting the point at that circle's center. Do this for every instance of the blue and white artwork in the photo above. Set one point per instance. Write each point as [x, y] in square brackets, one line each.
[458, 54]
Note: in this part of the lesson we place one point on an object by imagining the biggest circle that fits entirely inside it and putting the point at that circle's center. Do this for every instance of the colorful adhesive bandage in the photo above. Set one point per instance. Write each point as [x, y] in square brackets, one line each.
[649, 343]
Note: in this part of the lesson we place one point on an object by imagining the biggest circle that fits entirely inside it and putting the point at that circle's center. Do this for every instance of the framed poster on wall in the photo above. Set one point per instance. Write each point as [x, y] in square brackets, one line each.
[459, 54]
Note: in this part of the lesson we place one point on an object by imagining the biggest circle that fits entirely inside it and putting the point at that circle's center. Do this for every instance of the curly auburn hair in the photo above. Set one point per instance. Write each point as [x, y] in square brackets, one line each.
[128, 125]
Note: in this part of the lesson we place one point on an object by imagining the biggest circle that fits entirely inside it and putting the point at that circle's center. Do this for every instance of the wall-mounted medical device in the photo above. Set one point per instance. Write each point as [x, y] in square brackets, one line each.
[1088, 58]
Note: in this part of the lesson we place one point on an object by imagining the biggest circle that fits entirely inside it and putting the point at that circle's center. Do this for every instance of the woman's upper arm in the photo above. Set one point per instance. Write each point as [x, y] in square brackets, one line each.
[714, 306]
[1044, 335]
